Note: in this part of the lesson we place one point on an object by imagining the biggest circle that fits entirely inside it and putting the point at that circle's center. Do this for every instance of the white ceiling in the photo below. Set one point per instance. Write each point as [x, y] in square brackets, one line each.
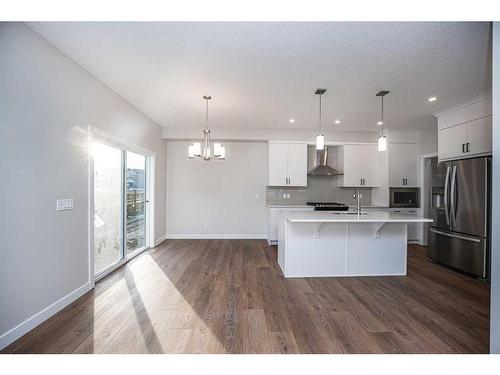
[262, 74]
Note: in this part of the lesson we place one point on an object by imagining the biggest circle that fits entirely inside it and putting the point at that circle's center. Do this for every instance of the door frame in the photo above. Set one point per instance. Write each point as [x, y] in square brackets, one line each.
[98, 135]
[423, 196]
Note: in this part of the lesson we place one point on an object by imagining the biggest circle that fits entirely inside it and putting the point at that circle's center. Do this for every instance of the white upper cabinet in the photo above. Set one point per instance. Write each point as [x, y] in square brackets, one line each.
[287, 164]
[297, 164]
[479, 135]
[370, 167]
[451, 141]
[278, 164]
[465, 132]
[360, 165]
[403, 164]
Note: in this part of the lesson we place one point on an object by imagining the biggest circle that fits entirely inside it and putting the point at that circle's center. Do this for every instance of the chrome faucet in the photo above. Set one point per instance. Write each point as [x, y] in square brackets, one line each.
[357, 197]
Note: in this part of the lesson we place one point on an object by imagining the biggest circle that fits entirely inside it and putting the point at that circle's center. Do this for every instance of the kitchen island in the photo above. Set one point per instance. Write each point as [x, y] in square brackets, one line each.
[328, 244]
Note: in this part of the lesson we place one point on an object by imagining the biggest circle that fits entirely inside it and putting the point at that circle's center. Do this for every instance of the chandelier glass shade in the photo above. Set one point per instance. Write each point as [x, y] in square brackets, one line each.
[195, 150]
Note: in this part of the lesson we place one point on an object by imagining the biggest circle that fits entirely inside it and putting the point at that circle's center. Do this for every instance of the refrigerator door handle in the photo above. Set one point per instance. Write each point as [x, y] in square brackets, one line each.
[453, 192]
[446, 181]
[455, 236]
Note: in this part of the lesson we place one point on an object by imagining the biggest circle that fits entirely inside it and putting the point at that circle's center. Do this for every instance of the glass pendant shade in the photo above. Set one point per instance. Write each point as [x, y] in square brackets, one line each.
[320, 142]
[382, 139]
[219, 151]
[382, 143]
[217, 148]
[197, 149]
[222, 154]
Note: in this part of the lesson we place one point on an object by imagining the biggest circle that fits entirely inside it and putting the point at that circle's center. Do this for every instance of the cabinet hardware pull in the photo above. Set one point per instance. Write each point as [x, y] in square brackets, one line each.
[463, 147]
[467, 148]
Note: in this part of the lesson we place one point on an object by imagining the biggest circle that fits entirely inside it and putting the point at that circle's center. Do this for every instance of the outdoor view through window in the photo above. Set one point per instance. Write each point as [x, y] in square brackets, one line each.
[136, 201]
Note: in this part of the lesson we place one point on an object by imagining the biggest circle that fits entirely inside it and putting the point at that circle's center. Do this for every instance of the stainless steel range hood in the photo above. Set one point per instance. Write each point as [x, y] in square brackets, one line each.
[322, 168]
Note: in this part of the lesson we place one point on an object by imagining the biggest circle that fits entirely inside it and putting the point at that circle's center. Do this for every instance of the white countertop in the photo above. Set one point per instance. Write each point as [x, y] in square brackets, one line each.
[339, 217]
[300, 205]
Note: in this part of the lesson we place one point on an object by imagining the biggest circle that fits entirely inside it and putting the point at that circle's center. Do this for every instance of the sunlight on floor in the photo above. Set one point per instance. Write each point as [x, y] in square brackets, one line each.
[162, 321]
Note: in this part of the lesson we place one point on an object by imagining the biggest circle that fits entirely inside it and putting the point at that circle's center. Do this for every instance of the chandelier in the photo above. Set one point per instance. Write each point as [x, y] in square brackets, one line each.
[194, 150]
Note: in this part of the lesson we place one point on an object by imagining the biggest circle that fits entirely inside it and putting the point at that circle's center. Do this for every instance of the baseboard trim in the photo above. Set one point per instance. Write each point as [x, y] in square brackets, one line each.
[216, 236]
[23, 328]
[160, 240]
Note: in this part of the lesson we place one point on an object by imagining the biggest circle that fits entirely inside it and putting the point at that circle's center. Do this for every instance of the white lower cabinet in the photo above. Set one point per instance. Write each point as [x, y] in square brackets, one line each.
[273, 220]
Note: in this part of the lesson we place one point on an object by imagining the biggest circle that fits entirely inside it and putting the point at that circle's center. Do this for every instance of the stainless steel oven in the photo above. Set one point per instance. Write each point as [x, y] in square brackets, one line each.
[404, 197]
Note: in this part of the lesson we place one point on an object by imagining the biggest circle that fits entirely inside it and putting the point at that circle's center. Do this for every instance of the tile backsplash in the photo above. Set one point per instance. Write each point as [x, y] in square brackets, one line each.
[319, 189]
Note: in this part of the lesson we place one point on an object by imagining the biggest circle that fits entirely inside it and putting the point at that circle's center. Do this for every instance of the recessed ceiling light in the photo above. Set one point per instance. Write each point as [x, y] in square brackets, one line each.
[291, 121]
[432, 99]
[337, 122]
[380, 123]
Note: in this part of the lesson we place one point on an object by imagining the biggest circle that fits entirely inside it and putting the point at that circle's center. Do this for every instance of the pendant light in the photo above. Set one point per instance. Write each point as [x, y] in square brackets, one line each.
[320, 138]
[194, 150]
[382, 139]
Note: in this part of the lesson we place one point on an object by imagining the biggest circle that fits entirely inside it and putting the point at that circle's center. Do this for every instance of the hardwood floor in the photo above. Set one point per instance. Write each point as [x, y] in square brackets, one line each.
[229, 296]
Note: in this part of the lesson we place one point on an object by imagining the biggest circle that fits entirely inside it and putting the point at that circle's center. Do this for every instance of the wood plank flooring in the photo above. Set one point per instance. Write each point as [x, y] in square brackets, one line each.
[229, 296]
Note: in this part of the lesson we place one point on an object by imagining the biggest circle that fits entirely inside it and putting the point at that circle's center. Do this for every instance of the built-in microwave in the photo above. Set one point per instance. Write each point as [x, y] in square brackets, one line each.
[404, 197]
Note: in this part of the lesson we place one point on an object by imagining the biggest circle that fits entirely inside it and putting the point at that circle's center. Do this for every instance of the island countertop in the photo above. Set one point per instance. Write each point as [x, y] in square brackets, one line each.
[349, 217]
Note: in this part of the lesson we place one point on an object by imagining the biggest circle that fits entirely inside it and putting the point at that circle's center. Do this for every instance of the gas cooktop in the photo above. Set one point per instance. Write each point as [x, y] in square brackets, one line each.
[328, 206]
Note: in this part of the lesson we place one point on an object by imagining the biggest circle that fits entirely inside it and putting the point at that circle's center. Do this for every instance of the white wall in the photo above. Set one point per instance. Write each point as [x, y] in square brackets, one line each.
[47, 102]
[495, 240]
[220, 193]
[429, 141]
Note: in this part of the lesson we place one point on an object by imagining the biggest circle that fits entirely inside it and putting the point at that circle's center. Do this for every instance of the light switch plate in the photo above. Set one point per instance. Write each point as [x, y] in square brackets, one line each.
[64, 204]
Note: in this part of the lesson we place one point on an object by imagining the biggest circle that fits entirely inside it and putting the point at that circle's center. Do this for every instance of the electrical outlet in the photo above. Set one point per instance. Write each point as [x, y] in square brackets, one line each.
[64, 204]
[288, 196]
[284, 195]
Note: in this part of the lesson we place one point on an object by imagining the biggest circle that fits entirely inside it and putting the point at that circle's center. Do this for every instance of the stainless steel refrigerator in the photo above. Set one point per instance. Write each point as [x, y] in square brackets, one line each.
[459, 205]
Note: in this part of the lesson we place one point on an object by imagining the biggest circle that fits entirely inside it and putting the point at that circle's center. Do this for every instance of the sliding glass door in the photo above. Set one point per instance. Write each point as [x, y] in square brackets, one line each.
[108, 203]
[120, 204]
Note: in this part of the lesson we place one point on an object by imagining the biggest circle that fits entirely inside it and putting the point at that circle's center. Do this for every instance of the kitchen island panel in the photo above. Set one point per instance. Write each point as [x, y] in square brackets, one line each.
[381, 256]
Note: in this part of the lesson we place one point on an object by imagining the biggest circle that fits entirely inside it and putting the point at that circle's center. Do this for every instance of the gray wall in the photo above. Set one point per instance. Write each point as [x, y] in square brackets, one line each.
[46, 103]
[495, 240]
[217, 198]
